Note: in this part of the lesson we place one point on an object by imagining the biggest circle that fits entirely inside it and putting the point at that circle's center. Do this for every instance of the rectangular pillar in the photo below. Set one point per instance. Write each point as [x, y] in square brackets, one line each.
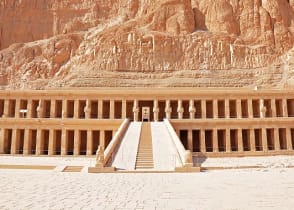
[100, 109]
[264, 140]
[6, 108]
[111, 109]
[228, 141]
[239, 108]
[63, 142]
[215, 141]
[102, 139]
[13, 142]
[2, 139]
[277, 139]
[203, 107]
[289, 139]
[124, 109]
[52, 142]
[190, 140]
[240, 140]
[273, 108]
[39, 142]
[76, 109]
[252, 140]
[227, 108]
[17, 108]
[27, 143]
[64, 108]
[29, 108]
[89, 142]
[215, 109]
[77, 142]
[53, 109]
[202, 141]
[285, 108]
[250, 109]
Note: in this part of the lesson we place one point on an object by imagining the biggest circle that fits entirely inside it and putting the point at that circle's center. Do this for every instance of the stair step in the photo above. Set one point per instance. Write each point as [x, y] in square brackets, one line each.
[144, 159]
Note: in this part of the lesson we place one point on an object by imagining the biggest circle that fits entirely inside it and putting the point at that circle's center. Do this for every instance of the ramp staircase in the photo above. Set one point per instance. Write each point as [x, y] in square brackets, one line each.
[144, 158]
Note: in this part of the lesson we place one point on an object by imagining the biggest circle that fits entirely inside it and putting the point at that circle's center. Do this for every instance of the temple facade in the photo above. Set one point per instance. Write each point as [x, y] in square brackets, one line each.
[211, 122]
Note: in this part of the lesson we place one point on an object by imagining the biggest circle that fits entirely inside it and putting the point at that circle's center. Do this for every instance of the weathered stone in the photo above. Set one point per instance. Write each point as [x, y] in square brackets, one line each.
[203, 43]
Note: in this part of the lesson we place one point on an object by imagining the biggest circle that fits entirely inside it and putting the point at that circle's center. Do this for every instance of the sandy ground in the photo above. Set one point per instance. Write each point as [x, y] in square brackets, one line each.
[227, 189]
[266, 188]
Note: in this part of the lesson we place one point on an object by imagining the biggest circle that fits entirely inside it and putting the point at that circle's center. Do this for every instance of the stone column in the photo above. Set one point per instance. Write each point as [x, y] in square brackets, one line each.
[17, 108]
[264, 140]
[2, 139]
[155, 110]
[89, 142]
[29, 108]
[277, 139]
[102, 139]
[285, 108]
[180, 110]
[190, 140]
[124, 109]
[40, 109]
[111, 109]
[168, 109]
[250, 108]
[100, 109]
[240, 140]
[63, 142]
[227, 108]
[252, 140]
[239, 108]
[262, 109]
[203, 107]
[192, 109]
[289, 139]
[273, 108]
[136, 111]
[14, 141]
[53, 109]
[215, 109]
[202, 141]
[87, 109]
[76, 109]
[6, 108]
[52, 142]
[228, 141]
[27, 142]
[64, 108]
[215, 141]
[39, 142]
[77, 142]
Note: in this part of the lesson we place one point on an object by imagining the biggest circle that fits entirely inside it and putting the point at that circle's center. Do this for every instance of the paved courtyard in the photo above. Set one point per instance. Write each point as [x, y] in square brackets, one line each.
[271, 188]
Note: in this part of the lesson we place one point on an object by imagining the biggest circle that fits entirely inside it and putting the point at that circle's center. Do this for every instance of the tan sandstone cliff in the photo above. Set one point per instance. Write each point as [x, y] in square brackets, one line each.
[94, 43]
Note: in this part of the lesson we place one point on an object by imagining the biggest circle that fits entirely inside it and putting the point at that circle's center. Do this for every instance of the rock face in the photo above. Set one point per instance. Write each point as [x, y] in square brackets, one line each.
[94, 43]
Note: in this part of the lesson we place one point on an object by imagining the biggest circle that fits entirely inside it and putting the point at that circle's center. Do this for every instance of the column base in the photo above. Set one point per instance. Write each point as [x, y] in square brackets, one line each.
[185, 169]
[100, 169]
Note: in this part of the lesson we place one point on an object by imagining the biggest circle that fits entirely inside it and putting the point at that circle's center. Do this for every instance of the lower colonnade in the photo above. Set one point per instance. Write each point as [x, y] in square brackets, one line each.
[211, 122]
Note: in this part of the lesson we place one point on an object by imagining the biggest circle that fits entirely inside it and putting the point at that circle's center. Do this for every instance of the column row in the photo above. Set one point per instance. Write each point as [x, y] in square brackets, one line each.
[238, 140]
[53, 142]
[171, 109]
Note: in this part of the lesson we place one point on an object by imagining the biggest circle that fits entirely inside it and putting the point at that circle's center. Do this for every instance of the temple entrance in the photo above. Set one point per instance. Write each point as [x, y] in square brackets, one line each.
[145, 114]
[145, 111]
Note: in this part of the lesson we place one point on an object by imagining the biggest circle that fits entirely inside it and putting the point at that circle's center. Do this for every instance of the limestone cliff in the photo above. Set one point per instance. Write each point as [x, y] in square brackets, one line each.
[91, 43]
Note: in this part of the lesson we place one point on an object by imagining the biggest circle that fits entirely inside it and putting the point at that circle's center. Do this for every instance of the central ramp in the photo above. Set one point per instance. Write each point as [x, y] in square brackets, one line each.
[125, 157]
[145, 155]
